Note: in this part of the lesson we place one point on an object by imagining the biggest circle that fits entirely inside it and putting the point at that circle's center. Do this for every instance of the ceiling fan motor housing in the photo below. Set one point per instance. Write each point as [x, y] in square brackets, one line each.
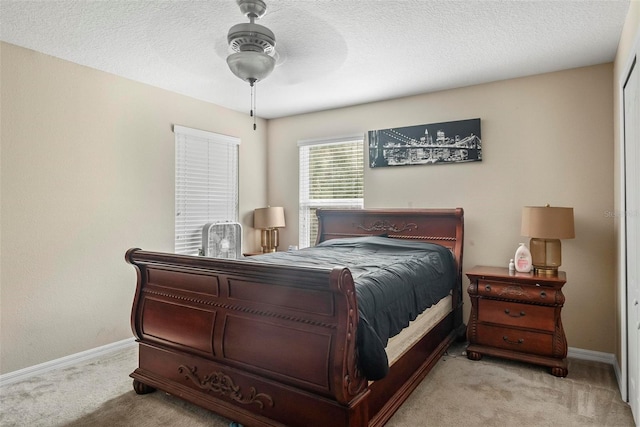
[251, 37]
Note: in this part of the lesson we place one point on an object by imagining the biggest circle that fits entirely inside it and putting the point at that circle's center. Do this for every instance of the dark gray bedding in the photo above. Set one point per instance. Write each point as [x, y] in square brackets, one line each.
[395, 280]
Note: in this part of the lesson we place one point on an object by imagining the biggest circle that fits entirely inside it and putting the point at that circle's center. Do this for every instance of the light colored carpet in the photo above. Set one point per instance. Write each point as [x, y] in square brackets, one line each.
[457, 392]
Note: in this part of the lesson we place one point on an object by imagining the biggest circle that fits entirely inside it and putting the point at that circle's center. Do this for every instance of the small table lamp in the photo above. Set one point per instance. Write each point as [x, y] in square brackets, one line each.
[269, 219]
[546, 225]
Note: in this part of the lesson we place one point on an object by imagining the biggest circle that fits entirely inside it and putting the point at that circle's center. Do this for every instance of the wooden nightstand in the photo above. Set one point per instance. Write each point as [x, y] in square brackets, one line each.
[517, 316]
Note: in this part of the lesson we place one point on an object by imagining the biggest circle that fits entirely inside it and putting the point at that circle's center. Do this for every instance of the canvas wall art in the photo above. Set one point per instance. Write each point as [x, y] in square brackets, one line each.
[435, 143]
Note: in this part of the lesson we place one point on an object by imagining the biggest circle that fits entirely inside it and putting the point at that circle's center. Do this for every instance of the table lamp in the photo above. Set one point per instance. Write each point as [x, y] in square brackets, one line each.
[269, 219]
[546, 225]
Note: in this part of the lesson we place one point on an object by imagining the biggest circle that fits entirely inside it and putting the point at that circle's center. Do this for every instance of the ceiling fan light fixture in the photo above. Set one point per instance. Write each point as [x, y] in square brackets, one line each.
[251, 66]
[253, 46]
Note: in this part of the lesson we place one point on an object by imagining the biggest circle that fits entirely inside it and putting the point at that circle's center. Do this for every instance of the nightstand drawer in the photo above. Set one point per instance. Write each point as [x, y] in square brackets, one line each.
[515, 339]
[514, 314]
[515, 291]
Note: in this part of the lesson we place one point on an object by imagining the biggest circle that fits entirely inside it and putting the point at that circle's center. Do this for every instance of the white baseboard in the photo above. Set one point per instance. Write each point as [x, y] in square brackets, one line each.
[598, 356]
[595, 356]
[63, 362]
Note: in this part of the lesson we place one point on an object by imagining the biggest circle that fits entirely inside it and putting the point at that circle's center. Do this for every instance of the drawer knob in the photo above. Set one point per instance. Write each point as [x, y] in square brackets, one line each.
[543, 294]
[507, 340]
[487, 288]
[508, 312]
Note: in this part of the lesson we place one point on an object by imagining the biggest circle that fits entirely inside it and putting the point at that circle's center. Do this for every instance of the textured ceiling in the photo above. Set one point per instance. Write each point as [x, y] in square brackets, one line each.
[332, 53]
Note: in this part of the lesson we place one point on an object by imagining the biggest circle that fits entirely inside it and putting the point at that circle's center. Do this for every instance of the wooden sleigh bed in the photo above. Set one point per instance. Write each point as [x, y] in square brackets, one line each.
[275, 345]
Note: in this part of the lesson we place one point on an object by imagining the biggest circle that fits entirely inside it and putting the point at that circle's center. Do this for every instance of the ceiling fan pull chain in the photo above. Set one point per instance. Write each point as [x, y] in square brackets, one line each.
[251, 108]
[252, 111]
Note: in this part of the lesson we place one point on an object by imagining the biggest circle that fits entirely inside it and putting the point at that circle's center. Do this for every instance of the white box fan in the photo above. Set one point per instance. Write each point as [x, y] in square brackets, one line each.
[222, 240]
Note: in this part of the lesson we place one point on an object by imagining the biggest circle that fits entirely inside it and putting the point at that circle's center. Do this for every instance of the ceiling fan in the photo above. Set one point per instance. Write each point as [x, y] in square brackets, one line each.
[253, 47]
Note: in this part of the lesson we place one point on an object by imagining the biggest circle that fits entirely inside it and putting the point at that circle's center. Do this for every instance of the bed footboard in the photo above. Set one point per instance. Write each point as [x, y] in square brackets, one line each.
[259, 344]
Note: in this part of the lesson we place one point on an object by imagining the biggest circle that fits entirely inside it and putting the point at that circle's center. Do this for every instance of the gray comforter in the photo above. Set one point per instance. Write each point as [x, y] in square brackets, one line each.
[395, 280]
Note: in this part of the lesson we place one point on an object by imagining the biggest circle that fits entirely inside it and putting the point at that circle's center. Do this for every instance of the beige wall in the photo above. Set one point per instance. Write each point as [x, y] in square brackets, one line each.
[546, 139]
[630, 34]
[87, 171]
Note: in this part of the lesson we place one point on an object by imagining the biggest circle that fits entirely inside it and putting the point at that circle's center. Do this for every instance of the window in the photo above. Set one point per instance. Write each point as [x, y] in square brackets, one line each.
[206, 184]
[331, 176]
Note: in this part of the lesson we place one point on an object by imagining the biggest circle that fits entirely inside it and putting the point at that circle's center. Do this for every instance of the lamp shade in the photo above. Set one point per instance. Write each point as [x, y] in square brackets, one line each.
[546, 222]
[269, 217]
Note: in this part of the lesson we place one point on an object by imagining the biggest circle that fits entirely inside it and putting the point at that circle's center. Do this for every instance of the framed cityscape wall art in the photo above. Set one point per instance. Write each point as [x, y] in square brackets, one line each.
[435, 143]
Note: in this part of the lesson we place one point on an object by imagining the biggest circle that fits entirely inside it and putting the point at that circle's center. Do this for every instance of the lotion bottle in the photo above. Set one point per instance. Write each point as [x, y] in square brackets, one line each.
[523, 259]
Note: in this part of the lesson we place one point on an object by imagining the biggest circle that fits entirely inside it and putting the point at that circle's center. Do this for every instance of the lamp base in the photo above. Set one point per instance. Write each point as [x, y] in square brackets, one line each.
[545, 271]
[546, 256]
[269, 240]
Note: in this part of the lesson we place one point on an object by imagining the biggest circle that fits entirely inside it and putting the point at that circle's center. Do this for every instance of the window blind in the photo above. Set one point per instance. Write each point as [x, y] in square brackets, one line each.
[206, 184]
[331, 176]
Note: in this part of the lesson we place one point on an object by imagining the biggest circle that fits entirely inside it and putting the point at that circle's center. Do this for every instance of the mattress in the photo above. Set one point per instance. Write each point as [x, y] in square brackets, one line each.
[417, 329]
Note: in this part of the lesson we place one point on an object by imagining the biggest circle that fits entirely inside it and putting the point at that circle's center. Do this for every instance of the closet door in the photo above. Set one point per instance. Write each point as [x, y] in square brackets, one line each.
[631, 94]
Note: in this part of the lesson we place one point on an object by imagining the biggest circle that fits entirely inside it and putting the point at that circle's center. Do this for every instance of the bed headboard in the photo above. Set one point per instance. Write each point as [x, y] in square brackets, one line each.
[442, 226]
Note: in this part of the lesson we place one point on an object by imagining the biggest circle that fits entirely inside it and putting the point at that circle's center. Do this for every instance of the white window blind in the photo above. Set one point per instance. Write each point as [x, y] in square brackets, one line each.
[206, 184]
[331, 176]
